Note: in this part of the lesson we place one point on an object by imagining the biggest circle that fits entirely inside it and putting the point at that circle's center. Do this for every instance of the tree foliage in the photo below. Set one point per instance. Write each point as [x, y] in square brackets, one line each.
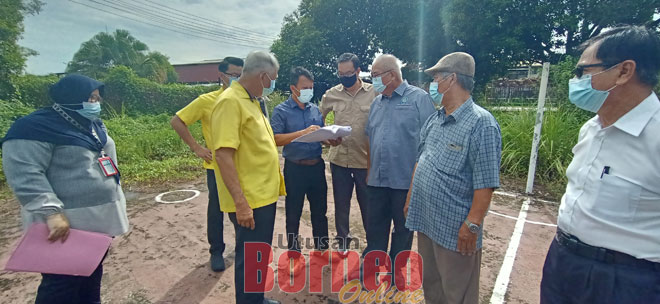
[498, 33]
[13, 56]
[106, 50]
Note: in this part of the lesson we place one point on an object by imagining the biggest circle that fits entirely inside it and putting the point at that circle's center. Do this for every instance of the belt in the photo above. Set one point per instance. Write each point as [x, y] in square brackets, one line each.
[600, 254]
[306, 162]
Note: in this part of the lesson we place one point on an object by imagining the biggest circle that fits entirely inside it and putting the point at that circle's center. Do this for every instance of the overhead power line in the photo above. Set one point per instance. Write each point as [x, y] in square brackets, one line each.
[136, 11]
[165, 26]
[206, 20]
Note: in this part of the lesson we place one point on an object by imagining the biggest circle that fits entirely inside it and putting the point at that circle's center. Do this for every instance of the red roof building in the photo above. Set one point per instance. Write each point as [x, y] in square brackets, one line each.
[198, 73]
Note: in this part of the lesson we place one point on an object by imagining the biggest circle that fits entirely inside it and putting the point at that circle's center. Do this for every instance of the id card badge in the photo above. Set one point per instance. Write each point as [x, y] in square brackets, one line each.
[108, 166]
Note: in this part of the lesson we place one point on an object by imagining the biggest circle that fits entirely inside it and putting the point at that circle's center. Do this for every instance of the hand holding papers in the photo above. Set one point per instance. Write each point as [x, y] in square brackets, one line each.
[325, 133]
[79, 255]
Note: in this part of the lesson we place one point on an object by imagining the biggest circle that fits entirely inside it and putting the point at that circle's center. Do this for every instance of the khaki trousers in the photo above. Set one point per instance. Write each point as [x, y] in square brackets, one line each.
[449, 277]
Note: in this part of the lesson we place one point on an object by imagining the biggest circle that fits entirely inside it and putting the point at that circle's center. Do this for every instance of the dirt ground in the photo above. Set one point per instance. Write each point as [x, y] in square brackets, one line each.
[164, 258]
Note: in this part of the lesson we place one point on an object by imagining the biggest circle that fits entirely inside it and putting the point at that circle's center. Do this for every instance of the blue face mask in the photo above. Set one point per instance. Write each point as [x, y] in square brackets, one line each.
[90, 110]
[584, 96]
[435, 95]
[267, 91]
[306, 95]
[378, 84]
[433, 91]
[232, 79]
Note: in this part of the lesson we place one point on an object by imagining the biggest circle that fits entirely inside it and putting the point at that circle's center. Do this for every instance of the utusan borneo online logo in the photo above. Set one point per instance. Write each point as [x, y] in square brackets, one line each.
[373, 279]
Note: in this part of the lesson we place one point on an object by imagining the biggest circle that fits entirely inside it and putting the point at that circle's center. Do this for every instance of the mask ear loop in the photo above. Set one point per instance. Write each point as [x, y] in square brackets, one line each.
[603, 71]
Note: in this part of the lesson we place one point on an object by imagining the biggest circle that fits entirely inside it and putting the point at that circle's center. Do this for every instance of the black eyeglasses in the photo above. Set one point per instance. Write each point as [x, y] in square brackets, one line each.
[579, 69]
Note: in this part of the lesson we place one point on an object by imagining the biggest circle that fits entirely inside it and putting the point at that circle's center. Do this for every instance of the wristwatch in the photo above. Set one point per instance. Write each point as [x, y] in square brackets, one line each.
[474, 228]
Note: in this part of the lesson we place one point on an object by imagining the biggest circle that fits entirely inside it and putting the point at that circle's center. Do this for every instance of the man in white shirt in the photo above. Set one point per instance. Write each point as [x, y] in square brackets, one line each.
[607, 247]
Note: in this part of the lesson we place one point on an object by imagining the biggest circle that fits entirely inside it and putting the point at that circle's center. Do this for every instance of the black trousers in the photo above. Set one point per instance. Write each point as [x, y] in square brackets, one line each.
[214, 217]
[307, 181]
[343, 181]
[68, 289]
[385, 207]
[569, 278]
[264, 223]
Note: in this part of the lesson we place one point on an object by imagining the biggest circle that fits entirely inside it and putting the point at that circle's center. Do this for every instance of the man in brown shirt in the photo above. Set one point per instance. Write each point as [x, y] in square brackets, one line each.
[350, 101]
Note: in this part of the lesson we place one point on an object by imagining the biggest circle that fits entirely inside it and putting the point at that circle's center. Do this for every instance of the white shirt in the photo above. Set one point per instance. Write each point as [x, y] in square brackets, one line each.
[620, 210]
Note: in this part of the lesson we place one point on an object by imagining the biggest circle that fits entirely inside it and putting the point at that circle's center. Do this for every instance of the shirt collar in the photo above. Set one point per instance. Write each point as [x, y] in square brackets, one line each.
[362, 87]
[240, 90]
[401, 88]
[293, 104]
[461, 112]
[636, 119]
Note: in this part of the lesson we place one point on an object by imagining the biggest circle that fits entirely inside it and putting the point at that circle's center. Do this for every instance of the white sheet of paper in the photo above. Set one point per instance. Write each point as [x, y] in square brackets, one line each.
[325, 133]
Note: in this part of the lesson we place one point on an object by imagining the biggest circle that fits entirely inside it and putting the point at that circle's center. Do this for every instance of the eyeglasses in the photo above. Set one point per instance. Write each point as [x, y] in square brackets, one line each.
[350, 74]
[379, 74]
[95, 98]
[579, 69]
[233, 75]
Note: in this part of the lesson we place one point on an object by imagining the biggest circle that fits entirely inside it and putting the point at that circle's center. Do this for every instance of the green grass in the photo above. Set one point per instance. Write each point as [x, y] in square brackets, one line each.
[558, 136]
[149, 151]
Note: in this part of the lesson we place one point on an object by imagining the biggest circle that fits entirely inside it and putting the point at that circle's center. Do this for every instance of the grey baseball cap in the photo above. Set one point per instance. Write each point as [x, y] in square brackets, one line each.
[457, 62]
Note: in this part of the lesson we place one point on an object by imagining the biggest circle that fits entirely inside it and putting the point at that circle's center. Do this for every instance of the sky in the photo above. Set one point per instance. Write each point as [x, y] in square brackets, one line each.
[57, 32]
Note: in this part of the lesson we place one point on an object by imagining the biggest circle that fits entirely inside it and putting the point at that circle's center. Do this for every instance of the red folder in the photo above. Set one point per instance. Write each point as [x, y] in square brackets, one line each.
[79, 255]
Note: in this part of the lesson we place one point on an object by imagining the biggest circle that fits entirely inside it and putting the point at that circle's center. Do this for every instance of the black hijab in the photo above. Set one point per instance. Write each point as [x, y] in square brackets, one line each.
[48, 126]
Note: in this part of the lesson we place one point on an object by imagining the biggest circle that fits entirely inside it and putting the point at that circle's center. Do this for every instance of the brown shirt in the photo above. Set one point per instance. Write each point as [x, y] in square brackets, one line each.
[350, 111]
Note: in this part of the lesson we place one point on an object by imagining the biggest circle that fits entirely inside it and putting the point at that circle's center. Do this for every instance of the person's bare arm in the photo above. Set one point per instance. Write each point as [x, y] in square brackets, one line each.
[224, 158]
[467, 241]
[287, 138]
[180, 127]
[405, 207]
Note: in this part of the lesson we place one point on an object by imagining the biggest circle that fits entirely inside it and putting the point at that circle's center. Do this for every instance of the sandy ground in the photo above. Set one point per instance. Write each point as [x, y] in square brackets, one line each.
[164, 258]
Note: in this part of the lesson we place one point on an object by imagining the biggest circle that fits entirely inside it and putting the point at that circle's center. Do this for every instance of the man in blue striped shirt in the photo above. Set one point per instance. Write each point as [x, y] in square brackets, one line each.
[395, 119]
[457, 170]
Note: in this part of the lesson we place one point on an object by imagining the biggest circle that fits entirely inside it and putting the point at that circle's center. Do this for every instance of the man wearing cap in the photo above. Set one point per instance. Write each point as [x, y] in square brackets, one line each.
[456, 173]
[393, 127]
[201, 108]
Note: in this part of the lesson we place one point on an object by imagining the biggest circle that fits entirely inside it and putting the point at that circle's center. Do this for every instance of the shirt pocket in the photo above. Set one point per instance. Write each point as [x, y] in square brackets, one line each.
[617, 199]
[451, 158]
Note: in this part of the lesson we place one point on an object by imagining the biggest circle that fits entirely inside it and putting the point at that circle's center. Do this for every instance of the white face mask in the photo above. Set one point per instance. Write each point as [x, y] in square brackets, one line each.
[306, 95]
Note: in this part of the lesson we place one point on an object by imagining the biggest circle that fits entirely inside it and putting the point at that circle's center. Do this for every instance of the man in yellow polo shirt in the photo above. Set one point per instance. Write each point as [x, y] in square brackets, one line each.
[247, 166]
[201, 108]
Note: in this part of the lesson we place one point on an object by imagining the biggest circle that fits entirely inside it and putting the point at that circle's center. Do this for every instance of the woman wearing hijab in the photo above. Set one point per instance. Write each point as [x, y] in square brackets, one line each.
[61, 165]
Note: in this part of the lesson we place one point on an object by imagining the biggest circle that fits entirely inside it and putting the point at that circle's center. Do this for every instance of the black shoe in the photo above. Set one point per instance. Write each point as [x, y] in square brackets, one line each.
[217, 263]
[269, 301]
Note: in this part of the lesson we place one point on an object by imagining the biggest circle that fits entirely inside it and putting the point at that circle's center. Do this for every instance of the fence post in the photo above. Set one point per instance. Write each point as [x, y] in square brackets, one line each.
[537, 128]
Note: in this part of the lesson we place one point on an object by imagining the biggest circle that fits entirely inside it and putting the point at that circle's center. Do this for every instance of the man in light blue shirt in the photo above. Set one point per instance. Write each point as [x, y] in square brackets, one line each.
[304, 169]
[456, 172]
[395, 119]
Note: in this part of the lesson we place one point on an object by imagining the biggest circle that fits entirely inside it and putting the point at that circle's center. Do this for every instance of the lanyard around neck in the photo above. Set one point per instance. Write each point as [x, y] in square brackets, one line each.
[76, 124]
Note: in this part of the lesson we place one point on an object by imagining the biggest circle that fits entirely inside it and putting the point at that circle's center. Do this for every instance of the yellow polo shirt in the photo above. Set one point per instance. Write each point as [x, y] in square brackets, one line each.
[238, 123]
[201, 109]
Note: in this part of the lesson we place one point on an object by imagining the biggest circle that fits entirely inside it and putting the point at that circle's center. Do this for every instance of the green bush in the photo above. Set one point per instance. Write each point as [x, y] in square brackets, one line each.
[33, 90]
[125, 92]
[9, 112]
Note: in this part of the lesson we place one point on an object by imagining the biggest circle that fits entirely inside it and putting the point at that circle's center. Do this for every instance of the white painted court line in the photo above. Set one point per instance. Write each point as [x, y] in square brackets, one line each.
[514, 195]
[502, 282]
[527, 221]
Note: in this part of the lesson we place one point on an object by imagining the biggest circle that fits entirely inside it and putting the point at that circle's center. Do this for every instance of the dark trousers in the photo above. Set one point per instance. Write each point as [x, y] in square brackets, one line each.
[571, 278]
[67, 289]
[214, 217]
[343, 180]
[264, 223]
[301, 180]
[385, 207]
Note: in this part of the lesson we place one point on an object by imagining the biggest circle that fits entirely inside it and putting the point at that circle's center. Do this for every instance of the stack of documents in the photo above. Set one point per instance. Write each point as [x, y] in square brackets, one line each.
[325, 133]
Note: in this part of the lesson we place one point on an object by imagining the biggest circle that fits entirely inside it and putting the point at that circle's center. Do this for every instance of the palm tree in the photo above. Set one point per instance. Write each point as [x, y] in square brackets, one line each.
[104, 51]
